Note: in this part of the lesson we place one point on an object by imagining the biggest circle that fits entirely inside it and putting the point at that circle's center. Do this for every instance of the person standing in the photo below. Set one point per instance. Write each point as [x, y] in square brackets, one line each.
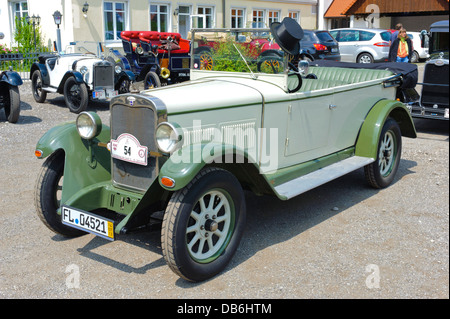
[394, 34]
[401, 48]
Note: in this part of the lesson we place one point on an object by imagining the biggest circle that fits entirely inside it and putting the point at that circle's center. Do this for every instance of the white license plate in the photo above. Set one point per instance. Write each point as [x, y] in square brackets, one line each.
[446, 113]
[98, 95]
[111, 93]
[334, 49]
[127, 148]
[88, 222]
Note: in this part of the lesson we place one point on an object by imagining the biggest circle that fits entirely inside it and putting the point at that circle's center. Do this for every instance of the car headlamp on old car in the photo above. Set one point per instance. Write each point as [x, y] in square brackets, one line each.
[83, 70]
[118, 69]
[89, 125]
[169, 137]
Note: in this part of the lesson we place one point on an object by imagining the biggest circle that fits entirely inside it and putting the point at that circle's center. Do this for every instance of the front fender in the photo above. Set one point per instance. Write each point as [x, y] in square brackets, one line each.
[183, 165]
[86, 162]
[11, 77]
[77, 75]
[367, 143]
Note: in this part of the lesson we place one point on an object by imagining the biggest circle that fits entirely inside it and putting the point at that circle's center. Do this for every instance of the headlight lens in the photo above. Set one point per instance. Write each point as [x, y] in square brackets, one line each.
[118, 68]
[169, 137]
[83, 70]
[89, 125]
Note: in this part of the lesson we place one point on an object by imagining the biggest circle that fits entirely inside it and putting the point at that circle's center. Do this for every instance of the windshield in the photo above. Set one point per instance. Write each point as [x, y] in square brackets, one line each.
[236, 50]
[440, 41]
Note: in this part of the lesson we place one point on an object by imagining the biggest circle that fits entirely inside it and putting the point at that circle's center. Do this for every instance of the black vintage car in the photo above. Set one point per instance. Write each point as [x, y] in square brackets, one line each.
[433, 102]
[10, 95]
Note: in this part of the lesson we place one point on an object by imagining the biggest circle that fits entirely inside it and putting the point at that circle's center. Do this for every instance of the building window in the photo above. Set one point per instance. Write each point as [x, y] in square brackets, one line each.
[20, 9]
[258, 19]
[184, 23]
[274, 16]
[159, 17]
[115, 20]
[295, 15]
[237, 18]
[208, 12]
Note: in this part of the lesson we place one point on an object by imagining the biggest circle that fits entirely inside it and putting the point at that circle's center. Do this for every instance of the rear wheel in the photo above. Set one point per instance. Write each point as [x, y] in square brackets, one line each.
[36, 87]
[365, 58]
[203, 225]
[12, 104]
[415, 57]
[48, 195]
[381, 173]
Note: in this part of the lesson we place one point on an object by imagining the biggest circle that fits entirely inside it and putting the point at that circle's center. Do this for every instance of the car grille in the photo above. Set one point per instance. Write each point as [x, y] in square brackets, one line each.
[435, 94]
[103, 75]
[140, 120]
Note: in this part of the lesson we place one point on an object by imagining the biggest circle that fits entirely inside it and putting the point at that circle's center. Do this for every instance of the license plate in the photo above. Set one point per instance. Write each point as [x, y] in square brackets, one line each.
[88, 222]
[111, 93]
[127, 148]
[98, 95]
[334, 50]
[446, 113]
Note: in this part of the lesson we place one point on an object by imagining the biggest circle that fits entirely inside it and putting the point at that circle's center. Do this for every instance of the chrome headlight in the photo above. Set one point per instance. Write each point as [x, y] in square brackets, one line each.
[118, 69]
[169, 137]
[89, 125]
[84, 70]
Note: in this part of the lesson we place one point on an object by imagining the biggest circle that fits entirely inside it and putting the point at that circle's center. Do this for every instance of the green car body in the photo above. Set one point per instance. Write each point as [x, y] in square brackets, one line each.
[239, 126]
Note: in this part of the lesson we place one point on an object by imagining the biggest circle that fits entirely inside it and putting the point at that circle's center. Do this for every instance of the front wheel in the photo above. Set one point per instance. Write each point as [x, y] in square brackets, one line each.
[48, 195]
[203, 225]
[381, 173]
[151, 81]
[75, 95]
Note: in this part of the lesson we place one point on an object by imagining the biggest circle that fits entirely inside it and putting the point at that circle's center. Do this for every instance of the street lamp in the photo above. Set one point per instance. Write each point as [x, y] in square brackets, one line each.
[57, 16]
[34, 20]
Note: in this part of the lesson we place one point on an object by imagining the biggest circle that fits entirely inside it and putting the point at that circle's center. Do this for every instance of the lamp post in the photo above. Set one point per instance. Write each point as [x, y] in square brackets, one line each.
[34, 20]
[57, 16]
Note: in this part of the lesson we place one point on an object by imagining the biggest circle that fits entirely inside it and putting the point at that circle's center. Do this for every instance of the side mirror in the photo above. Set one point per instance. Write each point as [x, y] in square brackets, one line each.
[303, 67]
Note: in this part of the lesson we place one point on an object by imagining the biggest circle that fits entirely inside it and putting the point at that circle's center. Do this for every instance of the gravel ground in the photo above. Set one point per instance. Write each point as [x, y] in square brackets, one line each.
[342, 240]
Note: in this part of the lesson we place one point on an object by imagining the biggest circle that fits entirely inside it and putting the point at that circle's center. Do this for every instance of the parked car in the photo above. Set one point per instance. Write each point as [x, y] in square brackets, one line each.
[433, 102]
[319, 44]
[362, 45]
[154, 57]
[10, 95]
[420, 46]
[185, 153]
[80, 77]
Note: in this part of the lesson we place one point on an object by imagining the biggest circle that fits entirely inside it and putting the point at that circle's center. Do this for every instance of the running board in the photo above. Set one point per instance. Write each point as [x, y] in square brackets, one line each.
[312, 180]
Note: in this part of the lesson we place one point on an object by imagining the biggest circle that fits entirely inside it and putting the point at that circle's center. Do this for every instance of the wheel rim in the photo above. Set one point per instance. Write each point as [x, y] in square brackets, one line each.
[75, 95]
[210, 226]
[365, 59]
[271, 66]
[386, 156]
[124, 86]
[206, 62]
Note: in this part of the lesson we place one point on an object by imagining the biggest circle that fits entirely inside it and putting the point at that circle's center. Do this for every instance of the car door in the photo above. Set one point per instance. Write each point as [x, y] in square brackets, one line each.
[347, 44]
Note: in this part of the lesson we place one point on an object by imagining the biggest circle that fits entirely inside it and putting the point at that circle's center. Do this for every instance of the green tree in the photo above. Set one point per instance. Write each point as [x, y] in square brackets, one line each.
[24, 36]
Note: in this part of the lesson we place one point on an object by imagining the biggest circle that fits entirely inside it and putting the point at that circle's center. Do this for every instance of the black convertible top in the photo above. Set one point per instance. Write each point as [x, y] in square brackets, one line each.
[408, 71]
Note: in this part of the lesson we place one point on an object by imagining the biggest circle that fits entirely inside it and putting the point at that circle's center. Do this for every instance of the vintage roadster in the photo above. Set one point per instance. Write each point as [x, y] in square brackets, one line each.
[10, 95]
[183, 154]
[80, 77]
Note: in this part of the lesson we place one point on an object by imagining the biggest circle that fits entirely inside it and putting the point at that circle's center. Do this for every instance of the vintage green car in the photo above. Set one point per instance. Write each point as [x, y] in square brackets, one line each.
[182, 155]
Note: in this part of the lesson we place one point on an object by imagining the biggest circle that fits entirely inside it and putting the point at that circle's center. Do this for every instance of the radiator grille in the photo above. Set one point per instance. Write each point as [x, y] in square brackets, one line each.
[435, 94]
[141, 123]
[103, 75]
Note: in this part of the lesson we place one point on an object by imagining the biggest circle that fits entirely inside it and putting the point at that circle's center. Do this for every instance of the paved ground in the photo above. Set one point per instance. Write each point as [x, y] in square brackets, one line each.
[342, 240]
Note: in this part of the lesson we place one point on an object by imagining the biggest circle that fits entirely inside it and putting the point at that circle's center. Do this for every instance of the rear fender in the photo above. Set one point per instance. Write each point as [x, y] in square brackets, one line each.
[11, 77]
[44, 73]
[367, 143]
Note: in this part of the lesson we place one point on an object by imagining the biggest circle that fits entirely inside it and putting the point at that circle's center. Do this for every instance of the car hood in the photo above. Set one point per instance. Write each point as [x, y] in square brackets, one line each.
[207, 94]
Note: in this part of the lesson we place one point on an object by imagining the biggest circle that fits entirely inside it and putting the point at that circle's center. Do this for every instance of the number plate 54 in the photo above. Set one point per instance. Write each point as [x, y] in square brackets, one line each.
[127, 148]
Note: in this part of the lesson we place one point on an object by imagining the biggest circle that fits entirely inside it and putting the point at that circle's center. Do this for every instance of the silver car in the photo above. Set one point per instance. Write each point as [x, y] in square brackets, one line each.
[362, 45]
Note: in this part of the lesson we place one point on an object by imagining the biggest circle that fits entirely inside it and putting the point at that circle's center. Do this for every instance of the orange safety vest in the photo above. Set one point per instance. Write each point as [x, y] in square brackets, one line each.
[402, 49]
